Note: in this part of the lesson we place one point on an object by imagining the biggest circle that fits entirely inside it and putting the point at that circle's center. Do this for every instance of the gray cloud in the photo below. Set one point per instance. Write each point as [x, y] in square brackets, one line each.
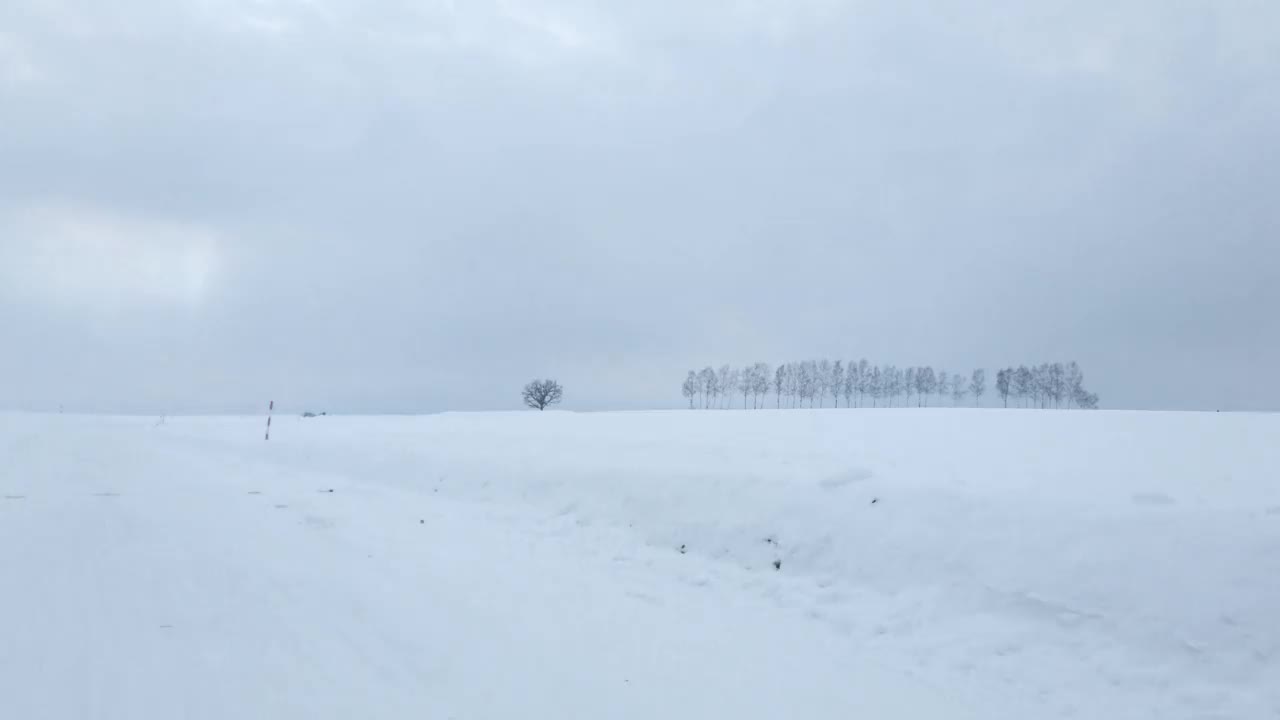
[399, 206]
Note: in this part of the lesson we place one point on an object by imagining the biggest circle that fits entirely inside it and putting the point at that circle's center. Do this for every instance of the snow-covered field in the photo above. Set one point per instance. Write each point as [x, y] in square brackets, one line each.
[932, 564]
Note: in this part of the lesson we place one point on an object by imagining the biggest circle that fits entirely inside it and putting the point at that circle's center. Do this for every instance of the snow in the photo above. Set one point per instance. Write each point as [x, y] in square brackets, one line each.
[933, 564]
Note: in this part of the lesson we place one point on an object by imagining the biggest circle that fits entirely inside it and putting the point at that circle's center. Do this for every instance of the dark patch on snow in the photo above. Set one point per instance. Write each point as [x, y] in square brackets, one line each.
[777, 564]
[106, 494]
[15, 497]
[875, 500]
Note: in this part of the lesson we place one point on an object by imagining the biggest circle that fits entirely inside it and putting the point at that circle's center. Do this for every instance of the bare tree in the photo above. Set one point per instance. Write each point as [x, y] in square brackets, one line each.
[760, 384]
[909, 383]
[864, 375]
[835, 383]
[1057, 383]
[821, 381]
[817, 390]
[1004, 384]
[690, 387]
[926, 381]
[1044, 384]
[806, 380]
[890, 384]
[1075, 382]
[1035, 383]
[793, 383]
[1022, 383]
[1040, 384]
[708, 379]
[798, 383]
[850, 384]
[978, 385]
[958, 390]
[1051, 394]
[779, 379]
[745, 381]
[541, 393]
[875, 385]
[724, 385]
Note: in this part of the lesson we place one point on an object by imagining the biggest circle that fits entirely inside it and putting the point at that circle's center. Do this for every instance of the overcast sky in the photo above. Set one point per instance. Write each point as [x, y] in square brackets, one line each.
[385, 205]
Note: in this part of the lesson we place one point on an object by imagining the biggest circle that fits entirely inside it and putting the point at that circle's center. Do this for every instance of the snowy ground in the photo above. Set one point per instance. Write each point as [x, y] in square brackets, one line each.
[933, 564]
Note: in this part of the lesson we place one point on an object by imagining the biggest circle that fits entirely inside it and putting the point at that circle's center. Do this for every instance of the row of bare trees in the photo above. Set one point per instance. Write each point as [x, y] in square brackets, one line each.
[719, 389]
[1045, 385]
[812, 383]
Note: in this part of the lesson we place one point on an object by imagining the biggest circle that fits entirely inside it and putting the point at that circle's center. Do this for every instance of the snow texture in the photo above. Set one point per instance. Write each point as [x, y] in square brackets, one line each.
[803, 564]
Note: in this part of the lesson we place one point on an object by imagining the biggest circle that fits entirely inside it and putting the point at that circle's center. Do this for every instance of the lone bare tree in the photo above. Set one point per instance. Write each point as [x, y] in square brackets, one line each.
[541, 393]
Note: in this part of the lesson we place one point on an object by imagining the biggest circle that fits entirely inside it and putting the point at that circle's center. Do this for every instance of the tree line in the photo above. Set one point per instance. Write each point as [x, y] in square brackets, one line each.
[812, 383]
[1045, 385]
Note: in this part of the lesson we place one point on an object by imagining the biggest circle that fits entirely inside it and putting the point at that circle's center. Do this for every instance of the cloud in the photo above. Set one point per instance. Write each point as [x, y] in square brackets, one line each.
[17, 68]
[92, 259]
[419, 205]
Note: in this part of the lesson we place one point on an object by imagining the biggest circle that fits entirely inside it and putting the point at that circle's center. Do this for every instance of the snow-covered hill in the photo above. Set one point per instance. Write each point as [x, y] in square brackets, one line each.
[798, 564]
